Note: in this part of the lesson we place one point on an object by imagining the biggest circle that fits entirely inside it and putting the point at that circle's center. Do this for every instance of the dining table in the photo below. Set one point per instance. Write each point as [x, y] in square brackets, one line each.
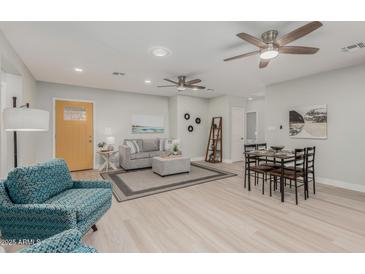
[281, 157]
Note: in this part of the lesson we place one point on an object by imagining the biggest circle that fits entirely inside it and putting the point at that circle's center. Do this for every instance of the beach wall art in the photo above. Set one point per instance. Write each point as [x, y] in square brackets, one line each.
[147, 124]
[308, 122]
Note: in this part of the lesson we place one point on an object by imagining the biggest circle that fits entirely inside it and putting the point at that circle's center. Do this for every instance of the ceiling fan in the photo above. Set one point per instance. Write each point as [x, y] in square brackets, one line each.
[270, 46]
[182, 84]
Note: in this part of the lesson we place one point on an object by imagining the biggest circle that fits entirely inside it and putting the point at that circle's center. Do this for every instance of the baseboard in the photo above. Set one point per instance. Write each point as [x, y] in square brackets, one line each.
[227, 161]
[196, 159]
[341, 184]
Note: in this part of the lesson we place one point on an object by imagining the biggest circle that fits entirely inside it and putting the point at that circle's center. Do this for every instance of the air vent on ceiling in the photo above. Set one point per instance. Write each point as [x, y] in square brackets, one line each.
[116, 73]
[354, 47]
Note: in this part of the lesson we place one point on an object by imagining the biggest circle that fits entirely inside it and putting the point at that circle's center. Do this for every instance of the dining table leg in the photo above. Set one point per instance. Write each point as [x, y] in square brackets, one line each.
[282, 181]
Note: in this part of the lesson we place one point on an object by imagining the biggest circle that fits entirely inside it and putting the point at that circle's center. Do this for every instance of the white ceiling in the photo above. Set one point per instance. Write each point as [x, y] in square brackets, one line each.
[52, 49]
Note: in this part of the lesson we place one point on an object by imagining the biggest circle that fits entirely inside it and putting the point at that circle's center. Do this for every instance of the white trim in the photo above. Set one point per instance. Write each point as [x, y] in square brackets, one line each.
[227, 161]
[244, 130]
[54, 99]
[196, 159]
[341, 184]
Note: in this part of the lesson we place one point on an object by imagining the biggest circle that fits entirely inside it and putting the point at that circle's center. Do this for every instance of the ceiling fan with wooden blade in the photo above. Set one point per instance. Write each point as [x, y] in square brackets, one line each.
[270, 46]
[182, 84]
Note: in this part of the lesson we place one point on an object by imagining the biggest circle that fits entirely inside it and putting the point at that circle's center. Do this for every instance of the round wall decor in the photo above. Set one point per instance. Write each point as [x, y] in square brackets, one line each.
[187, 116]
[190, 128]
[197, 120]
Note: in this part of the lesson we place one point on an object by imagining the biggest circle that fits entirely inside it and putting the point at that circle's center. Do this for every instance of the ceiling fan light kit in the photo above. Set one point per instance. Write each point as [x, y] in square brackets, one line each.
[270, 45]
[270, 52]
[182, 84]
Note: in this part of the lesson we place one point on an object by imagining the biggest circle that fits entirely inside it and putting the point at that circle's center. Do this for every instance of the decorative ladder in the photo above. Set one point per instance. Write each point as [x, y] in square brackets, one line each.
[214, 148]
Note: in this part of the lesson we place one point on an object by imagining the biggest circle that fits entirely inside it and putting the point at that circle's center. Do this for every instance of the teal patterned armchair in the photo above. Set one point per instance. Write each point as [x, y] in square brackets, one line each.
[37, 202]
[68, 241]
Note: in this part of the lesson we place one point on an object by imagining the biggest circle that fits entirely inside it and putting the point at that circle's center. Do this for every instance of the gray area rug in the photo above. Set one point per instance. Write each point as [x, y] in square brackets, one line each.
[143, 182]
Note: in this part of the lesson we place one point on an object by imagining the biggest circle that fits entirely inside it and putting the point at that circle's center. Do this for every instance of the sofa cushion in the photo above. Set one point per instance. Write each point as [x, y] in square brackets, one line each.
[36, 184]
[140, 155]
[157, 153]
[84, 200]
[150, 145]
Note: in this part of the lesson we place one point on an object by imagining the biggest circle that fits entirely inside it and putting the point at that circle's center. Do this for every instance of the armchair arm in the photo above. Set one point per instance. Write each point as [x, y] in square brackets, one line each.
[92, 184]
[33, 222]
[46, 215]
[63, 242]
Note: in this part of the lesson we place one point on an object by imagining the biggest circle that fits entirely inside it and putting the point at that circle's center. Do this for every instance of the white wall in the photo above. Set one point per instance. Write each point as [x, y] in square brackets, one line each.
[193, 144]
[112, 109]
[10, 63]
[258, 105]
[340, 157]
[222, 106]
[173, 116]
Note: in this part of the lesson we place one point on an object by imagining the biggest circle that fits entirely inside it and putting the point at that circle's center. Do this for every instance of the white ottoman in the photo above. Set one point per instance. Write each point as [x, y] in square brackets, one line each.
[164, 166]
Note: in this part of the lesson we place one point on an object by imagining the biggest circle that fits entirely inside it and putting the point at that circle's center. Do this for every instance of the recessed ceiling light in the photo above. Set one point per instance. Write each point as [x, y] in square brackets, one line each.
[78, 69]
[160, 51]
[147, 82]
[250, 98]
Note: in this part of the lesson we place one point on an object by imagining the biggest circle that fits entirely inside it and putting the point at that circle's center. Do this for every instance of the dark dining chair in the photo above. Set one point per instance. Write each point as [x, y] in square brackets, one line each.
[264, 160]
[249, 161]
[262, 167]
[295, 173]
[309, 167]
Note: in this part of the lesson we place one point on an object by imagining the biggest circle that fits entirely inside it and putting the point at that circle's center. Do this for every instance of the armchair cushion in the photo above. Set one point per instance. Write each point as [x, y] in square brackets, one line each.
[84, 201]
[36, 184]
[64, 242]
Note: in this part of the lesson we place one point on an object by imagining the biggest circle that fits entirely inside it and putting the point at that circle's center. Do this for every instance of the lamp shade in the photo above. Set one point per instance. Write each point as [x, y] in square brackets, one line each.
[25, 119]
[110, 140]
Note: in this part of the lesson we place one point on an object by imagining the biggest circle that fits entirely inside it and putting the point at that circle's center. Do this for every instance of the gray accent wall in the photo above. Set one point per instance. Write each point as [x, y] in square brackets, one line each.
[340, 158]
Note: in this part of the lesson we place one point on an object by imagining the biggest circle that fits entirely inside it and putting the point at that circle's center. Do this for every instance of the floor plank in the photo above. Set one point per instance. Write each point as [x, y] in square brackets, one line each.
[222, 216]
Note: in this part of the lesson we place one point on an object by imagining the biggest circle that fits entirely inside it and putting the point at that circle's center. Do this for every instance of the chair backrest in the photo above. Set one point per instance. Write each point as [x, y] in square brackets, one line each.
[299, 159]
[249, 148]
[261, 146]
[310, 153]
[36, 184]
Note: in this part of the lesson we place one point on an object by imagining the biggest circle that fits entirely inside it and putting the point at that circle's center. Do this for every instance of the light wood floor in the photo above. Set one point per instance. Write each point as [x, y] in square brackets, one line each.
[222, 216]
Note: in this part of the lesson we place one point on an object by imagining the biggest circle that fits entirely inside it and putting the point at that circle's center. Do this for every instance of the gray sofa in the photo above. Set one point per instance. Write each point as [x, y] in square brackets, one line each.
[149, 148]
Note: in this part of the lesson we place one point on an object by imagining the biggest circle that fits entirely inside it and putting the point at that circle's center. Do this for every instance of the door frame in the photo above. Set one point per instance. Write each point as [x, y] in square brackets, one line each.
[244, 128]
[54, 99]
[257, 123]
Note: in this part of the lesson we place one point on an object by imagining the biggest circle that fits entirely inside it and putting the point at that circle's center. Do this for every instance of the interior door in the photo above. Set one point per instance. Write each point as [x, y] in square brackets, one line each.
[251, 127]
[238, 120]
[74, 134]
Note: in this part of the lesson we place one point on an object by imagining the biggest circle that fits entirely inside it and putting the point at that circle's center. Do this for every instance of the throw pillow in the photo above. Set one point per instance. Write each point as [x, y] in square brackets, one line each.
[162, 144]
[133, 145]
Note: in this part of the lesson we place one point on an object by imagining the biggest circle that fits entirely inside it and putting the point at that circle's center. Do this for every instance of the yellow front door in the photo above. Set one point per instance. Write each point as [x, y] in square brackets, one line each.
[74, 134]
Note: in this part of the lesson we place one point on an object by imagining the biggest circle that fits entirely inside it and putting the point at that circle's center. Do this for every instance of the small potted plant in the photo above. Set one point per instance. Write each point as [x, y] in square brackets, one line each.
[101, 145]
[175, 149]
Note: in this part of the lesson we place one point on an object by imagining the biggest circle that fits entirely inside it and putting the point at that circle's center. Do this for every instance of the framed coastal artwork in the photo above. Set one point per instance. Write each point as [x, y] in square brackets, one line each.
[147, 124]
[308, 122]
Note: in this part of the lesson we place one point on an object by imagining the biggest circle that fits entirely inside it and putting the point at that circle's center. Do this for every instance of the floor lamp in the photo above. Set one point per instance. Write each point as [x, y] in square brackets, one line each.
[24, 118]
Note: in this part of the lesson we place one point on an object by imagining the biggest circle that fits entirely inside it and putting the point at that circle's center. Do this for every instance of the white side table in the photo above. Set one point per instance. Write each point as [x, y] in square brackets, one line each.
[107, 155]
